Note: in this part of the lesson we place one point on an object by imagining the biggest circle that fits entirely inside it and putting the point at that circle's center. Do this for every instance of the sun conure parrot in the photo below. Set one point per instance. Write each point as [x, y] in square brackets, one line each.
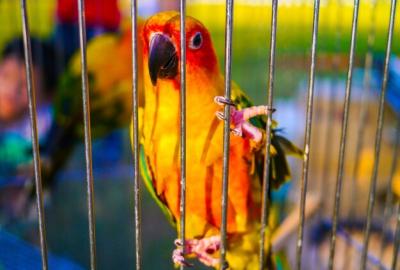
[159, 156]
[110, 84]
[109, 63]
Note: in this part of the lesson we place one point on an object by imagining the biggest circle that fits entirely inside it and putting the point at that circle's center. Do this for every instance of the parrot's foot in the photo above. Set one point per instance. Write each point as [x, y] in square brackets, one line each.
[239, 118]
[202, 248]
[179, 258]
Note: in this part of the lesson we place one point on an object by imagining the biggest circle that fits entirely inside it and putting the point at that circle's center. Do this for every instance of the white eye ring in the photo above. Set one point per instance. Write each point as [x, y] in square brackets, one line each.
[196, 41]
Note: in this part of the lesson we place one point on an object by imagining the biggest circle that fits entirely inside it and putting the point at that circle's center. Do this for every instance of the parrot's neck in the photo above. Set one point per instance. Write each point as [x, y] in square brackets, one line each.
[163, 100]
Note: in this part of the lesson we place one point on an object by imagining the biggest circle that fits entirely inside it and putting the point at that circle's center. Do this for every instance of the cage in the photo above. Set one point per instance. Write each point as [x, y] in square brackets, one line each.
[71, 184]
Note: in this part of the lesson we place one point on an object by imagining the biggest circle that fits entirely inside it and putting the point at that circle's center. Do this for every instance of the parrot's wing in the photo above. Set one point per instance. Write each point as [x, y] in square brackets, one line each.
[147, 176]
[280, 146]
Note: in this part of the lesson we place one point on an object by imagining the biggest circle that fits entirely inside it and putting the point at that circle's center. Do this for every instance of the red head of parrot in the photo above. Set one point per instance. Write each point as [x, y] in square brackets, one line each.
[161, 37]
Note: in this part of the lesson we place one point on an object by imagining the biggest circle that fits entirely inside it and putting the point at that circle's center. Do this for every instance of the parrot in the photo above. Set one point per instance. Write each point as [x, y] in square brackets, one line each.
[160, 140]
[110, 84]
[109, 67]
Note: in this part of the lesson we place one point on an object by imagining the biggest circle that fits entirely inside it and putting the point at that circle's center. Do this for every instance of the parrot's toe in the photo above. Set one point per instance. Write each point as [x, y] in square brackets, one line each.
[240, 126]
[178, 257]
[220, 115]
[237, 119]
[220, 100]
[204, 249]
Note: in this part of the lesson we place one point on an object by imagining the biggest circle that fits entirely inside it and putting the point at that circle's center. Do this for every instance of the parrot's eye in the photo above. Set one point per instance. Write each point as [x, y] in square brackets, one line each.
[196, 41]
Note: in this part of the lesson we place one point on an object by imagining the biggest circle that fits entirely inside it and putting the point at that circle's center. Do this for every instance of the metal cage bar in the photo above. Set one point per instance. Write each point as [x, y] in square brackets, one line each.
[307, 139]
[378, 138]
[396, 239]
[389, 194]
[346, 107]
[227, 120]
[330, 111]
[364, 108]
[135, 134]
[182, 13]
[270, 94]
[363, 120]
[88, 141]
[226, 143]
[30, 86]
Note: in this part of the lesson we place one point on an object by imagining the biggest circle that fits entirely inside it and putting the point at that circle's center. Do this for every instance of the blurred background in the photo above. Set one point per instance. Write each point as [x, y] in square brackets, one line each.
[55, 52]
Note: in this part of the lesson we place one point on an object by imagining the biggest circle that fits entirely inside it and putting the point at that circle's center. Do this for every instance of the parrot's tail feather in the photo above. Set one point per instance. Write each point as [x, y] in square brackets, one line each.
[287, 146]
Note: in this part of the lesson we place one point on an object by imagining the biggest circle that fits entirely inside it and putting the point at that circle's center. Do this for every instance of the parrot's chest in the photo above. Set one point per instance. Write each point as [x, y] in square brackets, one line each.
[164, 141]
[162, 133]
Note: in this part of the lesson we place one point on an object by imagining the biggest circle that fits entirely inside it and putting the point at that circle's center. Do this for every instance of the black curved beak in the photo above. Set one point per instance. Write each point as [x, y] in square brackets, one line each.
[163, 61]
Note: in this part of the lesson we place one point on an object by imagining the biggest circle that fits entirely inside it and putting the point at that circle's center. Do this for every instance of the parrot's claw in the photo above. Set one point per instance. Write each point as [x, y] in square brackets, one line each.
[239, 118]
[220, 100]
[237, 132]
[179, 258]
[220, 115]
[202, 248]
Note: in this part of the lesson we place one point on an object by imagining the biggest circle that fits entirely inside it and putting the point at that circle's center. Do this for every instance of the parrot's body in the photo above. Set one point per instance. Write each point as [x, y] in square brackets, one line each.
[110, 83]
[160, 141]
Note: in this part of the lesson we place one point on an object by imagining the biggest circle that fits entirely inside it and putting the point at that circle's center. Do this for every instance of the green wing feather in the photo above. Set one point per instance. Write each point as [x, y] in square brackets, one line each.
[147, 177]
[279, 172]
